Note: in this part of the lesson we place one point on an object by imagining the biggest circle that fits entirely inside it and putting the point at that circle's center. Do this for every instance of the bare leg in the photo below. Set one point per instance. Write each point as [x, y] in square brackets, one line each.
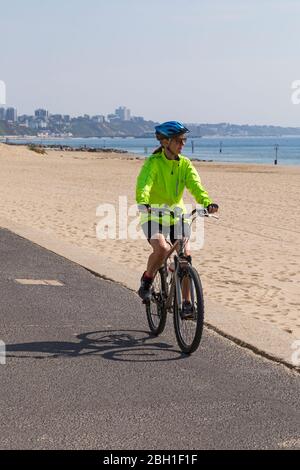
[160, 250]
[156, 259]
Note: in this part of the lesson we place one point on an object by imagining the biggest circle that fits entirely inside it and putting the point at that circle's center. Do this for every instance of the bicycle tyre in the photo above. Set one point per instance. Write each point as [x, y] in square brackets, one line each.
[155, 309]
[198, 321]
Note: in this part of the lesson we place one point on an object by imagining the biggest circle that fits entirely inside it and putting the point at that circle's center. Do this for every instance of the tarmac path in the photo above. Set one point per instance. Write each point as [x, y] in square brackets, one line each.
[82, 371]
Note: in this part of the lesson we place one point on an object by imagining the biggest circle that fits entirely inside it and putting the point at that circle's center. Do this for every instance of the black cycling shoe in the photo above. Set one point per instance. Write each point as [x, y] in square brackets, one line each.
[145, 289]
[187, 312]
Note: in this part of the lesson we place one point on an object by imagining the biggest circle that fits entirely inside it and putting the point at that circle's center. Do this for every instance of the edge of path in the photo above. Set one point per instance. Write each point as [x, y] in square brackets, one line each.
[262, 338]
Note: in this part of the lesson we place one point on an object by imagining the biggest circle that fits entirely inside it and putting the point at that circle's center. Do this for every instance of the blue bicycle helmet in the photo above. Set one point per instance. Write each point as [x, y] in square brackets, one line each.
[170, 129]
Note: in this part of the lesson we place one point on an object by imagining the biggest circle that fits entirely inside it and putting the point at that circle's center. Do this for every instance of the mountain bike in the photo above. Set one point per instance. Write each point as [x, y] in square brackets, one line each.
[167, 290]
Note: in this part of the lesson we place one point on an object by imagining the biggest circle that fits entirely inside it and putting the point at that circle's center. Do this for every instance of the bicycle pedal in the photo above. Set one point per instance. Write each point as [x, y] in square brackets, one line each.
[189, 316]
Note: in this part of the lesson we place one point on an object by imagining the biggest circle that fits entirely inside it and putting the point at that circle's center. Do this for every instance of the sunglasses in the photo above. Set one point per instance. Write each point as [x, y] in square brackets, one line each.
[180, 140]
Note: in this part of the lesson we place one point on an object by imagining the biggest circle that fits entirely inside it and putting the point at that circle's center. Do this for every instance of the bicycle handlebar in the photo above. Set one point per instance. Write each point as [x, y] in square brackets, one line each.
[176, 212]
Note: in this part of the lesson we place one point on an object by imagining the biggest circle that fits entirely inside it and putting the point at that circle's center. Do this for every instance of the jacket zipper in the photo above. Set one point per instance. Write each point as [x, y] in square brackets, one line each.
[177, 182]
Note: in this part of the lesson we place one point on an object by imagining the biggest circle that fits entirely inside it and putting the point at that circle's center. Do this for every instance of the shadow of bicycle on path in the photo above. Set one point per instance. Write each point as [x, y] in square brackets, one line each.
[114, 345]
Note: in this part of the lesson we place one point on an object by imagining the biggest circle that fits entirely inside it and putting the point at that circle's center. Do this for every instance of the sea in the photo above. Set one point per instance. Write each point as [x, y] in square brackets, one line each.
[261, 150]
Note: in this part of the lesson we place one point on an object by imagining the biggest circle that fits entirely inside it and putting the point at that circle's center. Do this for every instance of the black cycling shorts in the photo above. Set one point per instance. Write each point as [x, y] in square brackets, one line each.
[173, 232]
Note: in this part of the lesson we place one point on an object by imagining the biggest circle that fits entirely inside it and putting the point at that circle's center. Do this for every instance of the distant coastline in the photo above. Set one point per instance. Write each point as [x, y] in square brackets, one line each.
[87, 129]
[240, 149]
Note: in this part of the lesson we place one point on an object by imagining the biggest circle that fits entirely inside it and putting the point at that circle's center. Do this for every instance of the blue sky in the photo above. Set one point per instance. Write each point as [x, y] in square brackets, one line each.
[193, 60]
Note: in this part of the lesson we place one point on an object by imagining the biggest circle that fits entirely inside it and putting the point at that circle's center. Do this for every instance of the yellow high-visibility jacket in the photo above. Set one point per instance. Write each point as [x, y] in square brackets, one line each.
[162, 182]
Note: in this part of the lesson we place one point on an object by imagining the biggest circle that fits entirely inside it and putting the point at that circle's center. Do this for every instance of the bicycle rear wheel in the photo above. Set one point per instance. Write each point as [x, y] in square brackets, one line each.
[155, 309]
[189, 331]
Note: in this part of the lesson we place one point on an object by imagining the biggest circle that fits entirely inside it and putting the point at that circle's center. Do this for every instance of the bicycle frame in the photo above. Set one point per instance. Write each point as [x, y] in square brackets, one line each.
[181, 262]
[175, 286]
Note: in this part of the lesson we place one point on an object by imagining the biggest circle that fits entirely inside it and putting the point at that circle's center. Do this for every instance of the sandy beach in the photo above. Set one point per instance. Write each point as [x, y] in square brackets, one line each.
[250, 261]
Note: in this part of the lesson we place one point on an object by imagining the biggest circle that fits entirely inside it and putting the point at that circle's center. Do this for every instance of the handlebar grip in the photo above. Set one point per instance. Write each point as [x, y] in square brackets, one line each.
[212, 206]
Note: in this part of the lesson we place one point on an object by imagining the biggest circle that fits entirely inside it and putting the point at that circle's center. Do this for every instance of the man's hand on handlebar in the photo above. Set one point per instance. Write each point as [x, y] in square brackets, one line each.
[212, 208]
[177, 211]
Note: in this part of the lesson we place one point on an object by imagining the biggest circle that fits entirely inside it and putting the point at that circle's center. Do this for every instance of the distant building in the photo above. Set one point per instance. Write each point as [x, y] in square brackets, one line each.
[99, 119]
[137, 119]
[41, 114]
[2, 114]
[56, 117]
[123, 113]
[113, 117]
[24, 120]
[41, 124]
[33, 124]
[11, 114]
[37, 124]
[56, 120]
[66, 118]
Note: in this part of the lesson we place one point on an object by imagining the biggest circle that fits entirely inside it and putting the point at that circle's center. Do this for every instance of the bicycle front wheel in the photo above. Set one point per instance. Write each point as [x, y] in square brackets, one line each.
[155, 309]
[189, 330]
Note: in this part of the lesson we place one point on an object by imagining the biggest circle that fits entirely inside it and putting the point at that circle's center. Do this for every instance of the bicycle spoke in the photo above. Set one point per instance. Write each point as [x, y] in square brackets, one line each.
[189, 330]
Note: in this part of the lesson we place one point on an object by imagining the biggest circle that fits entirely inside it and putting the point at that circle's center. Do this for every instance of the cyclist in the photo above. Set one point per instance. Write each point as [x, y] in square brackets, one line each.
[161, 181]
